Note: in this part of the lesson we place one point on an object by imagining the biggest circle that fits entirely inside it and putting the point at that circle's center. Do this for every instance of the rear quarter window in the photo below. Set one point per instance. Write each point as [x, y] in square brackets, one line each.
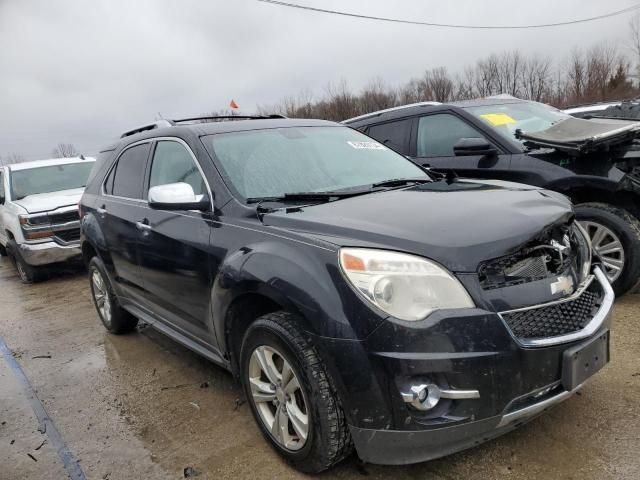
[127, 177]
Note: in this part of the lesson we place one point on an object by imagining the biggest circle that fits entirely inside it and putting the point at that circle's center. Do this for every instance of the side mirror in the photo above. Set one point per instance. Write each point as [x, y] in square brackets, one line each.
[473, 146]
[177, 196]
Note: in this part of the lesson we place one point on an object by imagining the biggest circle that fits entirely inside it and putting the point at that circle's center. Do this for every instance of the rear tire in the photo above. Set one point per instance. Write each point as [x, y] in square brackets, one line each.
[114, 318]
[28, 274]
[615, 235]
[311, 408]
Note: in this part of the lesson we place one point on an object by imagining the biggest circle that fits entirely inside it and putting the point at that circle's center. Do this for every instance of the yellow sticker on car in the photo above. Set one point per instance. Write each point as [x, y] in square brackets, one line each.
[498, 119]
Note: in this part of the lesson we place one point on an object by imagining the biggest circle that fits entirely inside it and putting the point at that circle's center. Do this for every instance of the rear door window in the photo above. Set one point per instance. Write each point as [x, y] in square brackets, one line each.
[394, 135]
[127, 177]
[437, 134]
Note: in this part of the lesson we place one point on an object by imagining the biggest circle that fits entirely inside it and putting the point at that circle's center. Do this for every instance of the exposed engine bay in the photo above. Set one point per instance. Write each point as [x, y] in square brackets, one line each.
[561, 250]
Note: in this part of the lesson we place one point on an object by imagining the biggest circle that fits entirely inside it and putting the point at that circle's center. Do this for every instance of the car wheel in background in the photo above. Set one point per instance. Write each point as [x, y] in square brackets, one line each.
[3, 250]
[291, 395]
[27, 273]
[615, 237]
[114, 318]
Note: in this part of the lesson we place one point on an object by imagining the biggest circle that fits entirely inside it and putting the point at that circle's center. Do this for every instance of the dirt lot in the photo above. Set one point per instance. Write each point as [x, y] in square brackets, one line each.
[141, 406]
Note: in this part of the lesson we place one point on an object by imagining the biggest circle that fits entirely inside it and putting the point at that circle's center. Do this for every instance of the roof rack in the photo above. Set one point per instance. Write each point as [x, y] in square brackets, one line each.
[392, 109]
[209, 118]
[213, 118]
[148, 126]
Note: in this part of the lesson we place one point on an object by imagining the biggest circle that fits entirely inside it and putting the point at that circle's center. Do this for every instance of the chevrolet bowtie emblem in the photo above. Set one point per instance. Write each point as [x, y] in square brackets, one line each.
[562, 285]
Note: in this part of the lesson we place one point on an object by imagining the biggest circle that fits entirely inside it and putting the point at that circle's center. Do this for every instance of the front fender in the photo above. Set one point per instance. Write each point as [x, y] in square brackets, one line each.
[302, 279]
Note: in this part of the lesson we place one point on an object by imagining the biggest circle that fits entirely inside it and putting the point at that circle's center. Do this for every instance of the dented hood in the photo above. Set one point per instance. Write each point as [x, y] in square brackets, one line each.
[459, 225]
[578, 135]
[43, 202]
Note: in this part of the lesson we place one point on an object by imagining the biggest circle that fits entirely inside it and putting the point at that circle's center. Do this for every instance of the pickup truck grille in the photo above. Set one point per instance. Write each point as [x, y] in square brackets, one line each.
[64, 217]
[554, 319]
[71, 235]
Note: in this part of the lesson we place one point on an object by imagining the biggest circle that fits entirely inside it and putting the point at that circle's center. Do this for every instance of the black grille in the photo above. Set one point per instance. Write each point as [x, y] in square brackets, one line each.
[71, 216]
[554, 320]
[72, 235]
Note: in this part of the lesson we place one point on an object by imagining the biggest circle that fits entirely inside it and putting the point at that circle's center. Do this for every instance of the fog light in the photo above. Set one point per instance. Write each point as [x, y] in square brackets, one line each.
[425, 396]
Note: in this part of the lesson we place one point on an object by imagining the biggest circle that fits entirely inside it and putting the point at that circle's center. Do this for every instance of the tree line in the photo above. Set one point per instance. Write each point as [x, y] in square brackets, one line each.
[62, 150]
[600, 73]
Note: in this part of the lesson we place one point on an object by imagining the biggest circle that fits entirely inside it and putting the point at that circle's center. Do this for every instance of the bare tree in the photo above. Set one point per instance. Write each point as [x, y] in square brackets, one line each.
[438, 85]
[376, 96]
[11, 159]
[64, 150]
[634, 29]
[535, 78]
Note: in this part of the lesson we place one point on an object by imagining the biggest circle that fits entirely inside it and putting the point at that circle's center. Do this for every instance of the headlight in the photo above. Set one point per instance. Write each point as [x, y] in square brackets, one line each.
[404, 286]
[585, 250]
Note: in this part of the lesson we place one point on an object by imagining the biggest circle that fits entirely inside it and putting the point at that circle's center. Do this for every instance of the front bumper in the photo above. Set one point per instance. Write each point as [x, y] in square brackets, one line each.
[401, 447]
[460, 352]
[37, 254]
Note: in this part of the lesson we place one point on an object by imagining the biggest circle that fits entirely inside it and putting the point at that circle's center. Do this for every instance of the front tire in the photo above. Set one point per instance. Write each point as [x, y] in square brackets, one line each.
[291, 395]
[114, 318]
[615, 236]
[28, 274]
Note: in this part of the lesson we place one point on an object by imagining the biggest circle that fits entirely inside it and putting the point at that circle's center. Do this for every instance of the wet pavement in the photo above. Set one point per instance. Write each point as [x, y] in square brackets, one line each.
[141, 406]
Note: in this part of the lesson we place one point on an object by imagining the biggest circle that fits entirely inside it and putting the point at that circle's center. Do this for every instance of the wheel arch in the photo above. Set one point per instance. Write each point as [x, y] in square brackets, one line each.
[598, 190]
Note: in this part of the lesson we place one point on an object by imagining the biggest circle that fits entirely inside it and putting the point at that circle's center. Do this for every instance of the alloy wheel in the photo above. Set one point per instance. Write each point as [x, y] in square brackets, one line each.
[608, 247]
[278, 397]
[101, 296]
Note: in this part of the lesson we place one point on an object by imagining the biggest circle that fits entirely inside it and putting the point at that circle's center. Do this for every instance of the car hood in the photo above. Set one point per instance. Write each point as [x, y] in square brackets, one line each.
[457, 224]
[44, 202]
[581, 136]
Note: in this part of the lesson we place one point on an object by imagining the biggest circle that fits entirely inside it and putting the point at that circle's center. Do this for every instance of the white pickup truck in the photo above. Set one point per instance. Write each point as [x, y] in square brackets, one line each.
[39, 221]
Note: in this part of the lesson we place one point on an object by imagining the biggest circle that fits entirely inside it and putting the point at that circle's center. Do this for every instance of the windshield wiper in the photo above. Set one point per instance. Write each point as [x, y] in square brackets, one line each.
[398, 182]
[311, 196]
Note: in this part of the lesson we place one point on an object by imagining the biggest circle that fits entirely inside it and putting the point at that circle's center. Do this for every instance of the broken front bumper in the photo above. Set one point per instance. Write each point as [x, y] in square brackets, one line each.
[48, 252]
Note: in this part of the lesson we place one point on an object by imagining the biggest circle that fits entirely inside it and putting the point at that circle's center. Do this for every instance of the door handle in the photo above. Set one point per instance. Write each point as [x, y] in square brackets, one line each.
[143, 227]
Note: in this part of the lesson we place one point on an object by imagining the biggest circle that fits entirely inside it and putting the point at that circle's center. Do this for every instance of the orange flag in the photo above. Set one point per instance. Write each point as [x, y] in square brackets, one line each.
[233, 104]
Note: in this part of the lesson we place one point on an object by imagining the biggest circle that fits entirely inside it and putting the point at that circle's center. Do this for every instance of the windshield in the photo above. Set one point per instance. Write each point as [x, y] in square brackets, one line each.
[526, 116]
[49, 179]
[279, 161]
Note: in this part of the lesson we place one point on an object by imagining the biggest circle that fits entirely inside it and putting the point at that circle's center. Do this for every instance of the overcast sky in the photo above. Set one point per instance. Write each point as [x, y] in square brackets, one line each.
[81, 72]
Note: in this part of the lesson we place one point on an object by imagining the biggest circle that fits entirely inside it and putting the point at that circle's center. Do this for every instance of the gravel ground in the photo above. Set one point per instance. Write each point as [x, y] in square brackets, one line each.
[141, 406]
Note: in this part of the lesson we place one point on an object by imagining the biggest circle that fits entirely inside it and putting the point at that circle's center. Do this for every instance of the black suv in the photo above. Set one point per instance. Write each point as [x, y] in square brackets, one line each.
[359, 301]
[595, 162]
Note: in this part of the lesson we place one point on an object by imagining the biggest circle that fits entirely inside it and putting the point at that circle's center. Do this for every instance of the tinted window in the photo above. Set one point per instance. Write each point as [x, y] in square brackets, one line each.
[129, 172]
[394, 135]
[1, 187]
[54, 178]
[172, 163]
[272, 162]
[99, 163]
[437, 134]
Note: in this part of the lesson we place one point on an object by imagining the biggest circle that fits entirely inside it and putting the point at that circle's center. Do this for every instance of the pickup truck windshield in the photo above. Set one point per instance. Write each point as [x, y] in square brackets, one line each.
[53, 178]
[280, 161]
[527, 116]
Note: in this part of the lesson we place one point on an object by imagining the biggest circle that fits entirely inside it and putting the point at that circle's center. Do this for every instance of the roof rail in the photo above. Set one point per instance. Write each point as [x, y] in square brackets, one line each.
[148, 126]
[208, 118]
[392, 109]
[213, 118]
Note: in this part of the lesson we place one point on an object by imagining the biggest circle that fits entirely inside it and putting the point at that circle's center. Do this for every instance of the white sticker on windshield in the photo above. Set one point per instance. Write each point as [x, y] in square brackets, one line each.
[366, 145]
